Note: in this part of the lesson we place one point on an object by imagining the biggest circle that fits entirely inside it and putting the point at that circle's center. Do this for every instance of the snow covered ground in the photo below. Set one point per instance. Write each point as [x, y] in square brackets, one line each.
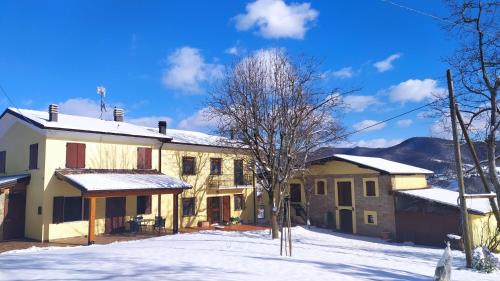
[216, 255]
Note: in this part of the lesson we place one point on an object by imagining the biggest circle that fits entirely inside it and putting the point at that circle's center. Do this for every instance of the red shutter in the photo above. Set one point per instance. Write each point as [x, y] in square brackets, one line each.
[58, 210]
[33, 162]
[71, 155]
[81, 155]
[147, 164]
[140, 158]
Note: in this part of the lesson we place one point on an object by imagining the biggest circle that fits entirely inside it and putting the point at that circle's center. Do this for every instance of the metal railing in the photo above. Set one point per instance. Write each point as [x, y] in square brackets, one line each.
[229, 181]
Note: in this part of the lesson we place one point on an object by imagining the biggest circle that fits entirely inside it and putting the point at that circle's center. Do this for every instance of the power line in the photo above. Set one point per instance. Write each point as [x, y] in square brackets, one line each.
[392, 118]
[417, 11]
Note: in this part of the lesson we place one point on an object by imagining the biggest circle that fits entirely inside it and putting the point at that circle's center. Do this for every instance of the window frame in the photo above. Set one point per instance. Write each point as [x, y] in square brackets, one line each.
[374, 215]
[365, 194]
[325, 183]
[242, 201]
[79, 159]
[219, 160]
[60, 213]
[33, 157]
[188, 173]
[192, 211]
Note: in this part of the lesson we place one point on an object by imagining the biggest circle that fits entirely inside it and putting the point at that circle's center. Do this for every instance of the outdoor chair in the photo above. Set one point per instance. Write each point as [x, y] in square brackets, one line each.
[159, 224]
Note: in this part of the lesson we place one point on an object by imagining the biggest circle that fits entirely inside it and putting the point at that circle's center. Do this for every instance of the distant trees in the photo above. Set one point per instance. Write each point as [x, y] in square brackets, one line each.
[270, 104]
[476, 62]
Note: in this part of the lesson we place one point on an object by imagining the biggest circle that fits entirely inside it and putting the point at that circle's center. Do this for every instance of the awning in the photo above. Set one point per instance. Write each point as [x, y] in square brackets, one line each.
[122, 182]
[11, 181]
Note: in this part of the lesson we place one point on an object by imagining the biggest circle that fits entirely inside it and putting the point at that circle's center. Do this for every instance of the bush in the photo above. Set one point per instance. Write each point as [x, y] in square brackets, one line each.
[485, 261]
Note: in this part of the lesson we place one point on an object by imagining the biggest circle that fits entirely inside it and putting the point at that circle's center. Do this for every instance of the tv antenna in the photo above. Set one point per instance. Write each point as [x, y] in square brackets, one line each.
[101, 91]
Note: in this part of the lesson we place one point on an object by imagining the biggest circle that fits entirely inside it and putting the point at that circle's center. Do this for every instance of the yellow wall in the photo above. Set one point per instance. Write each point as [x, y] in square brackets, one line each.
[172, 162]
[482, 228]
[338, 168]
[401, 182]
[16, 142]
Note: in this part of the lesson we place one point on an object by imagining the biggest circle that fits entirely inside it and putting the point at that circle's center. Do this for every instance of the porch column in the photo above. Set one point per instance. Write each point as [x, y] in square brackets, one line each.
[175, 228]
[159, 204]
[91, 234]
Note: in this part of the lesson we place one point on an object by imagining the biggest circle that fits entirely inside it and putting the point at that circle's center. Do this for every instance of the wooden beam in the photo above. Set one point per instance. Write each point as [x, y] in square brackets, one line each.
[91, 234]
[175, 228]
[482, 195]
[122, 193]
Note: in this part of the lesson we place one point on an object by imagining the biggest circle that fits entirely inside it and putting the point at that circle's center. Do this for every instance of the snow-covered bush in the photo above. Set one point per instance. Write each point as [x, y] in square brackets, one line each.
[485, 261]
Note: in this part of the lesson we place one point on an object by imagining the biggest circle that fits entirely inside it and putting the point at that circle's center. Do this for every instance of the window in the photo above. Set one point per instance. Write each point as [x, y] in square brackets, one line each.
[75, 155]
[67, 209]
[33, 162]
[144, 204]
[320, 187]
[370, 217]
[188, 207]
[188, 166]
[3, 161]
[144, 158]
[239, 202]
[370, 187]
[215, 166]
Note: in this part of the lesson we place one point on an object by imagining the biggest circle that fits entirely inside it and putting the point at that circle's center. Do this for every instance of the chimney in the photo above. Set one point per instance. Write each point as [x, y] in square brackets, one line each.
[53, 112]
[162, 127]
[118, 114]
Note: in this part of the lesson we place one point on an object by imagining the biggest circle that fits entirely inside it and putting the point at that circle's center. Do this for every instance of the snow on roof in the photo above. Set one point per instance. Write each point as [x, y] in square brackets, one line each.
[449, 197]
[75, 122]
[5, 180]
[120, 181]
[381, 164]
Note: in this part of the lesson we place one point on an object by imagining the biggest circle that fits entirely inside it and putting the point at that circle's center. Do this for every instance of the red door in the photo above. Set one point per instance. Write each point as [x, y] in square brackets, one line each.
[14, 214]
[115, 215]
[213, 210]
[226, 209]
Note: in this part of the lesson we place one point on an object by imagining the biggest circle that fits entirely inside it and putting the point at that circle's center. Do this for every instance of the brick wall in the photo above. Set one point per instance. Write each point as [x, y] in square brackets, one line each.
[322, 207]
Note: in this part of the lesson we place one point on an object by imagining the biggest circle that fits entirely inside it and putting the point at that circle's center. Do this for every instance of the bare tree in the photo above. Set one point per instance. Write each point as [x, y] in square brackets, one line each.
[270, 104]
[475, 24]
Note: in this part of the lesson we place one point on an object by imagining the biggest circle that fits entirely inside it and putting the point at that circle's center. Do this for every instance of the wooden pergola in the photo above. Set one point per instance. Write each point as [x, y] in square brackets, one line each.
[154, 187]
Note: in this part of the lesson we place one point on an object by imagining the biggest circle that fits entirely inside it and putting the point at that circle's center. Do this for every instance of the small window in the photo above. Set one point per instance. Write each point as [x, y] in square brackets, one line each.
[239, 202]
[370, 187]
[3, 161]
[320, 187]
[33, 162]
[144, 205]
[67, 209]
[144, 158]
[215, 166]
[188, 166]
[188, 207]
[371, 217]
[75, 155]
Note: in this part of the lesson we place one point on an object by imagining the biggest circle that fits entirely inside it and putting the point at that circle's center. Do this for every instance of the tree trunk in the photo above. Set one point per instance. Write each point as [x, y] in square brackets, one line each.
[274, 216]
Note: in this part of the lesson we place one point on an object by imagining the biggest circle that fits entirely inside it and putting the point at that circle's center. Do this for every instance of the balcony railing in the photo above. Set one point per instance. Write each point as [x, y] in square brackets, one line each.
[229, 181]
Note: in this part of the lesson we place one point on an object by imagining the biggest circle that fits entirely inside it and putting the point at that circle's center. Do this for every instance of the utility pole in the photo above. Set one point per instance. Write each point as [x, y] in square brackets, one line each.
[460, 176]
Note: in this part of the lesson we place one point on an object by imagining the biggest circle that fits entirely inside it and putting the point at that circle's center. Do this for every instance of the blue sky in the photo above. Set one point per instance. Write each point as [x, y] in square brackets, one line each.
[158, 58]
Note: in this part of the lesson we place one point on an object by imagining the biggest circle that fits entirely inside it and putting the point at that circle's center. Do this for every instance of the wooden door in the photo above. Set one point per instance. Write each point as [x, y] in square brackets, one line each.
[345, 207]
[115, 214]
[14, 215]
[345, 220]
[213, 210]
[226, 209]
[238, 173]
[295, 193]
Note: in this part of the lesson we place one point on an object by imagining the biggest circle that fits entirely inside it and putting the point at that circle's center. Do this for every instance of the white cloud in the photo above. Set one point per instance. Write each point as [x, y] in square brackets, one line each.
[187, 70]
[368, 123]
[378, 143]
[414, 90]
[404, 123]
[276, 19]
[149, 121]
[385, 65]
[84, 107]
[199, 121]
[345, 72]
[359, 103]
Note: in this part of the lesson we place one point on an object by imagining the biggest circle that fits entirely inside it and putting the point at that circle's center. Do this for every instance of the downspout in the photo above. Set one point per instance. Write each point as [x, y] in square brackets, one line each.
[159, 170]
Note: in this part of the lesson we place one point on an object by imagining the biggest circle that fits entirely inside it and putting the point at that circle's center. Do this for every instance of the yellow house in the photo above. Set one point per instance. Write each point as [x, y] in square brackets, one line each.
[377, 197]
[65, 176]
